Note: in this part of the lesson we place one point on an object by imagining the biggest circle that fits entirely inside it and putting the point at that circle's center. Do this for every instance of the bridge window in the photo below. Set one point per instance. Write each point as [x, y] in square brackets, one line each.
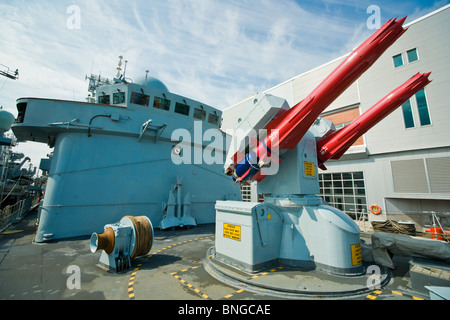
[140, 98]
[104, 99]
[182, 109]
[119, 97]
[213, 118]
[161, 103]
[199, 114]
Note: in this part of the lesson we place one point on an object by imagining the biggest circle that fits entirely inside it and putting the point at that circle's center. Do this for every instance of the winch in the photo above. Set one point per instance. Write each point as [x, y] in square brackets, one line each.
[123, 241]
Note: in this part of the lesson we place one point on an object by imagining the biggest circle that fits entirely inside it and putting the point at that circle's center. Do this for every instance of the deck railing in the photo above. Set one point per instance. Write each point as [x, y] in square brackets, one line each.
[16, 212]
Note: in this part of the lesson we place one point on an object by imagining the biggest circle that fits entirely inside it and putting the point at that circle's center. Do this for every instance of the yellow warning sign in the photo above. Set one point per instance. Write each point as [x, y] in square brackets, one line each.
[231, 231]
[356, 254]
[310, 170]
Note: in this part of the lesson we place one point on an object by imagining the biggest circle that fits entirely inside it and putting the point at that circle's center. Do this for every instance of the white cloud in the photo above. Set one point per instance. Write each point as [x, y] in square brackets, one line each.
[218, 52]
[209, 50]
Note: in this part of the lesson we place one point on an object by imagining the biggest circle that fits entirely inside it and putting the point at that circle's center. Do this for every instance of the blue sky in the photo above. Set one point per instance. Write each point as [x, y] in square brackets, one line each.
[214, 51]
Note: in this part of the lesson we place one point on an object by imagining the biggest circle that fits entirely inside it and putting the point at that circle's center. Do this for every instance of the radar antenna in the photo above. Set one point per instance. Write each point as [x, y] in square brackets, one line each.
[96, 81]
[120, 77]
[119, 68]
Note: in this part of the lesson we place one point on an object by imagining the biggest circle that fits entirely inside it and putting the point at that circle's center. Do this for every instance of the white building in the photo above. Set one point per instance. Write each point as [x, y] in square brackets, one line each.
[402, 164]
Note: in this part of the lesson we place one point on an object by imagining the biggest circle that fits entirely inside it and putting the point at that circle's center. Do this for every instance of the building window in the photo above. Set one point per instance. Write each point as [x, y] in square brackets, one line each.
[161, 103]
[140, 98]
[422, 106]
[412, 55]
[398, 60]
[422, 109]
[246, 192]
[182, 108]
[119, 97]
[345, 191]
[344, 117]
[408, 115]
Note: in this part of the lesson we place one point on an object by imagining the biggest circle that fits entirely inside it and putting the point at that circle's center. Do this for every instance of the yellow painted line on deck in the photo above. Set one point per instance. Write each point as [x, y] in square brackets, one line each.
[131, 294]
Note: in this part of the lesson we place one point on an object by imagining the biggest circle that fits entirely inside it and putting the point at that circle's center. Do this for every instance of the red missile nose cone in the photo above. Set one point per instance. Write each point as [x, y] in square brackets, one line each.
[426, 75]
[402, 20]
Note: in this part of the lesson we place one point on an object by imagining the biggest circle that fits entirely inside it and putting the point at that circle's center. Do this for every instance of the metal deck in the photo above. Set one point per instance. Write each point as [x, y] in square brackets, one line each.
[174, 270]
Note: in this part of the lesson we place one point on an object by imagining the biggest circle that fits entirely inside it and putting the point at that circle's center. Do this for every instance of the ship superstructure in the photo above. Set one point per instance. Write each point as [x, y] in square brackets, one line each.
[116, 156]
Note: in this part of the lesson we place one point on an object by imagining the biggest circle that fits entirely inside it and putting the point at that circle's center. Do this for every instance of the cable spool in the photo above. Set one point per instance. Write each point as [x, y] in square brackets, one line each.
[142, 238]
[123, 241]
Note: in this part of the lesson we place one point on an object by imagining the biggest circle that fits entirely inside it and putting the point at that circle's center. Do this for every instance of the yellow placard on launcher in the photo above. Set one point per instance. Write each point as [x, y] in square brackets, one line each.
[356, 254]
[231, 231]
[310, 171]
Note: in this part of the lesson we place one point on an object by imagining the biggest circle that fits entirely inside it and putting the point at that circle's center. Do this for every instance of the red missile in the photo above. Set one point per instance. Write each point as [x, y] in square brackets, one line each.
[336, 144]
[286, 131]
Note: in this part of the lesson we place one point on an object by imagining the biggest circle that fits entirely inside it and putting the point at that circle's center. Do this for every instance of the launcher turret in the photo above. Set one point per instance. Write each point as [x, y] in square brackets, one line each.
[294, 226]
[285, 131]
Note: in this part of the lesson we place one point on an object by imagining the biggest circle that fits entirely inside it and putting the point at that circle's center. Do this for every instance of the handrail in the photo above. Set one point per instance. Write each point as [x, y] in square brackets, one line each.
[158, 128]
[11, 212]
